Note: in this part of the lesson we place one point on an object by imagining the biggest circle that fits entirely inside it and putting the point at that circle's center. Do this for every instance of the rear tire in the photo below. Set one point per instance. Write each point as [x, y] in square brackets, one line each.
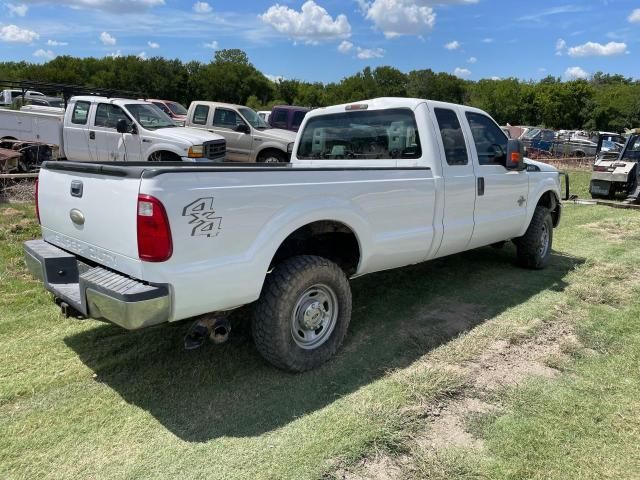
[534, 247]
[303, 313]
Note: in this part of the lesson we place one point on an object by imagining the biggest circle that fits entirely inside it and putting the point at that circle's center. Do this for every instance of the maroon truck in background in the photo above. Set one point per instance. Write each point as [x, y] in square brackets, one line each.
[175, 110]
[287, 117]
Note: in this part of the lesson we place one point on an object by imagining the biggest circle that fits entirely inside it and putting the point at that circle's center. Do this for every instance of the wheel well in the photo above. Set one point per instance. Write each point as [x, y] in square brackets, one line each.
[166, 156]
[263, 153]
[550, 200]
[328, 239]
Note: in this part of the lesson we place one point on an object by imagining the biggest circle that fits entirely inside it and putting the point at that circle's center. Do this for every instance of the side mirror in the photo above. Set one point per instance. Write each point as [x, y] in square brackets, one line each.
[515, 155]
[243, 128]
[123, 126]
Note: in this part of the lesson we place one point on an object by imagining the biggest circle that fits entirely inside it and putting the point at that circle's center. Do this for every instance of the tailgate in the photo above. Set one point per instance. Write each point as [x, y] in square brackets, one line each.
[91, 214]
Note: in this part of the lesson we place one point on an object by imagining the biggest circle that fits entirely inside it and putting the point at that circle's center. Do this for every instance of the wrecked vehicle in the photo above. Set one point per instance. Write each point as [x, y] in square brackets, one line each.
[617, 175]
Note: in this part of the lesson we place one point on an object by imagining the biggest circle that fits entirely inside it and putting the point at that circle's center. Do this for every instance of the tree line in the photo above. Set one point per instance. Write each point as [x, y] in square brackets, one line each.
[604, 102]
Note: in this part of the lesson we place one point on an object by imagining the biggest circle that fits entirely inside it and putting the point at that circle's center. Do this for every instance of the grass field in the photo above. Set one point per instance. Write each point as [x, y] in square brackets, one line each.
[84, 399]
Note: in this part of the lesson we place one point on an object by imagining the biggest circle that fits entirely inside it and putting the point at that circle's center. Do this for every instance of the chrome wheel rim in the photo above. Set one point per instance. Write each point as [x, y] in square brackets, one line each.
[544, 241]
[314, 316]
[271, 160]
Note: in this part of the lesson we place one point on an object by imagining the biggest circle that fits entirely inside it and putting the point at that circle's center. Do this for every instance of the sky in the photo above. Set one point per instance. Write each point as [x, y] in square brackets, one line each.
[326, 40]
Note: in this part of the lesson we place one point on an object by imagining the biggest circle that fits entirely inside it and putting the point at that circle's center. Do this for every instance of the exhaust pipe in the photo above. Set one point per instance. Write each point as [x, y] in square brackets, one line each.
[220, 331]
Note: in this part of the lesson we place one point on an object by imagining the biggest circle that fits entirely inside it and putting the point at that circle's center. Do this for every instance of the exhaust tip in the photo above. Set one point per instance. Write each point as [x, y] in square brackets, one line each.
[220, 331]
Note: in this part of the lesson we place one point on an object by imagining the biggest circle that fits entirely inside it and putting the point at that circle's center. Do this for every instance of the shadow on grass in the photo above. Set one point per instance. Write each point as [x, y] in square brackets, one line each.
[230, 391]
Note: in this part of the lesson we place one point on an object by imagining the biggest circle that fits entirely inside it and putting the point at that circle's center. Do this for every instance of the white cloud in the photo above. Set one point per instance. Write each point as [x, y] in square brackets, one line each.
[452, 45]
[345, 47]
[153, 44]
[274, 78]
[116, 54]
[55, 43]
[634, 17]
[592, 49]
[44, 54]
[487, 40]
[401, 17]
[202, 7]
[107, 39]
[142, 55]
[106, 5]
[462, 72]
[472, 60]
[369, 53]
[312, 24]
[15, 34]
[17, 9]
[561, 46]
[212, 45]
[576, 73]
[495, 78]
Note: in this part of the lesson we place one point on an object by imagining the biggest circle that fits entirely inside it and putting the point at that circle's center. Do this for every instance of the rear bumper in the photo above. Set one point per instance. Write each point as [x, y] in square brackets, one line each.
[96, 292]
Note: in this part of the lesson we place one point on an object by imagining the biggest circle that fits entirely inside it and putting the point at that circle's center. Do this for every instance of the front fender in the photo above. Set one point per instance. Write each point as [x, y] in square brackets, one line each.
[269, 145]
[537, 191]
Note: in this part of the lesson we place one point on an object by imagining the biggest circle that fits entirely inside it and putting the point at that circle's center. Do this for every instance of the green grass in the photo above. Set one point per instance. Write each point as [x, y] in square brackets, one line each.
[84, 399]
[580, 179]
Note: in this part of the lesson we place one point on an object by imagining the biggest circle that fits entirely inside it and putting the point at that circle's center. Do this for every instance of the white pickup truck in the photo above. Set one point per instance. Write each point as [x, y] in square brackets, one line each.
[100, 129]
[249, 138]
[371, 186]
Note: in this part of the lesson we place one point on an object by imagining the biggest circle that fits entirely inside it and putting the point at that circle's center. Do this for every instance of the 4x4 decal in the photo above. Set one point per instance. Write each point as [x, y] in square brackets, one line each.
[202, 217]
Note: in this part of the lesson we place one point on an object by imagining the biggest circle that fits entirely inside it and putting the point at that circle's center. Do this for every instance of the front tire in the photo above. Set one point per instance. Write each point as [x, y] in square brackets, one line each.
[272, 156]
[534, 247]
[303, 313]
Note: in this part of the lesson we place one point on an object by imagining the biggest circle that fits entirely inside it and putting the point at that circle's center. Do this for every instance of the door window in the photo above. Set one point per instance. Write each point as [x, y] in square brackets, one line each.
[224, 118]
[107, 115]
[297, 118]
[200, 114]
[80, 113]
[490, 140]
[455, 149]
[279, 119]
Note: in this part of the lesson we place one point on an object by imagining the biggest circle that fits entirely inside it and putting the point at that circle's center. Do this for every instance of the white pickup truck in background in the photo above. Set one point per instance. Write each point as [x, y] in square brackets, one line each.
[249, 138]
[371, 186]
[100, 129]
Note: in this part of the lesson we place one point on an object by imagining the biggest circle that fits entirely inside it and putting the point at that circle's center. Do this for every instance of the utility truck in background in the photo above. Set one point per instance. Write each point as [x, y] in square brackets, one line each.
[101, 129]
[371, 186]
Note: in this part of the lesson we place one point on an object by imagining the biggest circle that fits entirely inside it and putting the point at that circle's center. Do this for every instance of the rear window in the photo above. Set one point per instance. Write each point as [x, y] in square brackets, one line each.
[298, 116]
[361, 135]
[80, 113]
[200, 114]
[279, 119]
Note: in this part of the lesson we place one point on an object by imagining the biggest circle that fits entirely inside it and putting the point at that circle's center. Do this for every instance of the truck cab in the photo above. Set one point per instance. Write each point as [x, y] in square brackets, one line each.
[249, 138]
[287, 117]
[107, 129]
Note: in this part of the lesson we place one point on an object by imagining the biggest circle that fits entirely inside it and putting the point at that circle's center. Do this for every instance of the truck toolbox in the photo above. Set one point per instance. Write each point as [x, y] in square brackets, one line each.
[95, 291]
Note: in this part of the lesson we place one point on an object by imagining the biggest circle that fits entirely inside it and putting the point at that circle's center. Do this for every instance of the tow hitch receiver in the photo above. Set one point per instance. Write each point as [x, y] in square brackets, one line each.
[215, 327]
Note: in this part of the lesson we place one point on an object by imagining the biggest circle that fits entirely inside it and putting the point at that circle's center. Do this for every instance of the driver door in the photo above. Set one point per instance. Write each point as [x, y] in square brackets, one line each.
[239, 144]
[112, 146]
[501, 194]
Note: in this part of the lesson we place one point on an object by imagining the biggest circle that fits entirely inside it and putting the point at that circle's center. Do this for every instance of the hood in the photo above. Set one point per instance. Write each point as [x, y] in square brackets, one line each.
[191, 136]
[277, 134]
[544, 167]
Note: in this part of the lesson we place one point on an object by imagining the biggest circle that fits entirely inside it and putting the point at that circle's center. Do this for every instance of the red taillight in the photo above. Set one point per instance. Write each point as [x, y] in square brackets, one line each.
[37, 208]
[154, 232]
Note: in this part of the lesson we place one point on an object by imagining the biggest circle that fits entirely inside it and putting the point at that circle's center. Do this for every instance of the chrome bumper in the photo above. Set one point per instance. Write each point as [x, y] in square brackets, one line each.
[96, 292]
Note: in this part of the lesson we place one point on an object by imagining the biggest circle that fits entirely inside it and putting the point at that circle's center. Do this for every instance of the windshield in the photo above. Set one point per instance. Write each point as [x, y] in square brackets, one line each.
[176, 108]
[633, 149]
[150, 116]
[377, 134]
[532, 133]
[253, 118]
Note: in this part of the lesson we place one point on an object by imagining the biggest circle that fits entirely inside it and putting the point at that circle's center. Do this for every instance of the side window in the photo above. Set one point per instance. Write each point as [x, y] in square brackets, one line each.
[107, 115]
[279, 119]
[455, 149]
[200, 114]
[490, 140]
[80, 113]
[163, 107]
[297, 118]
[226, 118]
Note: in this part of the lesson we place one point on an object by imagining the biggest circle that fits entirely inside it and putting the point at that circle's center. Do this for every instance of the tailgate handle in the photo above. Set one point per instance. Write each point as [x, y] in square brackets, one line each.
[76, 188]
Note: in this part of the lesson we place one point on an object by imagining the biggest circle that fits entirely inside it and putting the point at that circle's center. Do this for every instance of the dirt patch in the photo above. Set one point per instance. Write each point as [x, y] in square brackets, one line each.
[21, 226]
[11, 212]
[608, 284]
[618, 230]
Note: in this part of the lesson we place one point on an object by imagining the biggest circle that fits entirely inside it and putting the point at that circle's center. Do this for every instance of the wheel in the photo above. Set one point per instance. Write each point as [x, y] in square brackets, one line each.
[303, 313]
[534, 247]
[272, 156]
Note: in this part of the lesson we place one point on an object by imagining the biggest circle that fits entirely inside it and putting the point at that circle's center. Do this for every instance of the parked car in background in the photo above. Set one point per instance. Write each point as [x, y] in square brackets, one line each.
[264, 115]
[100, 129]
[8, 96]
[249, 138]
[539, 138]
[287, 117]
[40, 101]
[617, 173]
[176, 111]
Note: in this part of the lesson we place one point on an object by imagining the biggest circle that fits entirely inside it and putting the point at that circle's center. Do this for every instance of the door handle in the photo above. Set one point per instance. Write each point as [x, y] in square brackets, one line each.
[480, 186]
[92, 135]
